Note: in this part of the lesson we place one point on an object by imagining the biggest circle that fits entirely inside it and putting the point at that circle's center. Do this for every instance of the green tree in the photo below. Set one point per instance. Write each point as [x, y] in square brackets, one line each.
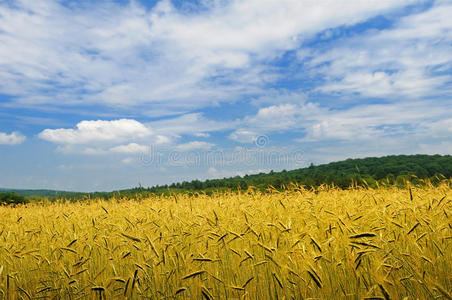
[12, 198]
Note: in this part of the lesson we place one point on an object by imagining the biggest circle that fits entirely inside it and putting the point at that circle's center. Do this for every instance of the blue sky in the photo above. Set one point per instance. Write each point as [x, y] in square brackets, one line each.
[102, 95]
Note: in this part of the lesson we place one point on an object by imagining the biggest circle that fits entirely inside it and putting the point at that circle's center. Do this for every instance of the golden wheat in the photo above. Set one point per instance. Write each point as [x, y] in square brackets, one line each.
[385, 243]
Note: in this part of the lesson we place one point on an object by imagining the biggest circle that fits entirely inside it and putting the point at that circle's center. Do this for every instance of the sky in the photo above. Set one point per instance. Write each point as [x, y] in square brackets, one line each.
[104, 95]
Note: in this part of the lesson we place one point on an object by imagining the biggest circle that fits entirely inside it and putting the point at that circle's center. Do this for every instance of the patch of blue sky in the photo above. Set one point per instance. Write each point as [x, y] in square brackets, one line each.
[441, 69]
[191, 6]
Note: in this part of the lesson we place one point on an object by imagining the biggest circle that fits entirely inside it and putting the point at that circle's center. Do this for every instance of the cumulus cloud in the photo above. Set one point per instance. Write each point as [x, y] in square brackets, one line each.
[13, 138]
[97, 131]
[130, 148]
[108, 136]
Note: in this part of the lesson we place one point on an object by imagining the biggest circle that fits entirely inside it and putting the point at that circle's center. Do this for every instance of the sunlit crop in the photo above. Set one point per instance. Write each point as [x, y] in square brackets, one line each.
[386, 243]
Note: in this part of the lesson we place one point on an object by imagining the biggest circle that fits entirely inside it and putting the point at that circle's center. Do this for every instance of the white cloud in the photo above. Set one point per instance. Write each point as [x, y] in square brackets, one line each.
[161, 139]
[411, 59]
[130, 148]
[318, 123]
[13, 138]
[97, 131]
[276, 118]
[105, 137]
[283, 116]
[229, 33]
[125, 55]
[243, 135]
[194, 145]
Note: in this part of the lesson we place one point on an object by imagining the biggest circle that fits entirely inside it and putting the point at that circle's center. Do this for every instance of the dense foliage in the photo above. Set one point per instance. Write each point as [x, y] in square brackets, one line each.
[12, 198]
[42, 193]
[367, 171]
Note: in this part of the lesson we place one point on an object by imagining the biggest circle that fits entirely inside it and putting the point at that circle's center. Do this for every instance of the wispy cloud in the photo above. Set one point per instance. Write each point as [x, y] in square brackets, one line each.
[361, 122]
[127, 55]
[412, 59]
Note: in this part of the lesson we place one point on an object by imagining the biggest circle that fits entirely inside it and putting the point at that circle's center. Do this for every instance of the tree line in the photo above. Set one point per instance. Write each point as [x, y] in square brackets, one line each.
[371, 171]
[12, 198]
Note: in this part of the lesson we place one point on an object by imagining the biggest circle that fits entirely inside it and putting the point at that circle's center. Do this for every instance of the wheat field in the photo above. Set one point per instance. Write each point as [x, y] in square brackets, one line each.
[386, 243]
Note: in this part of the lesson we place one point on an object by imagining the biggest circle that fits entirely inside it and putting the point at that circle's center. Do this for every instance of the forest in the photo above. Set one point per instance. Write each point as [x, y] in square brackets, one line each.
[394, 169]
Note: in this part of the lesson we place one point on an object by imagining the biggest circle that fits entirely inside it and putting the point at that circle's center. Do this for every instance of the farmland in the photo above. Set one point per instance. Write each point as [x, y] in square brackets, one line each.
[382, 243]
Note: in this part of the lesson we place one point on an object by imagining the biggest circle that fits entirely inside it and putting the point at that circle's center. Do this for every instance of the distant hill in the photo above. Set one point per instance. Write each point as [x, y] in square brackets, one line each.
[391, 169]
[363, 171]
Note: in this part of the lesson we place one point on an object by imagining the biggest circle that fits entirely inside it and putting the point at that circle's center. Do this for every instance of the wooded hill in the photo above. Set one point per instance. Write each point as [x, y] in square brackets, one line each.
[394, 169]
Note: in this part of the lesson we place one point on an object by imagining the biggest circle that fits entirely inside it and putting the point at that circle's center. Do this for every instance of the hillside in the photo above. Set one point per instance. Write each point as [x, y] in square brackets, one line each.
[392, 169]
